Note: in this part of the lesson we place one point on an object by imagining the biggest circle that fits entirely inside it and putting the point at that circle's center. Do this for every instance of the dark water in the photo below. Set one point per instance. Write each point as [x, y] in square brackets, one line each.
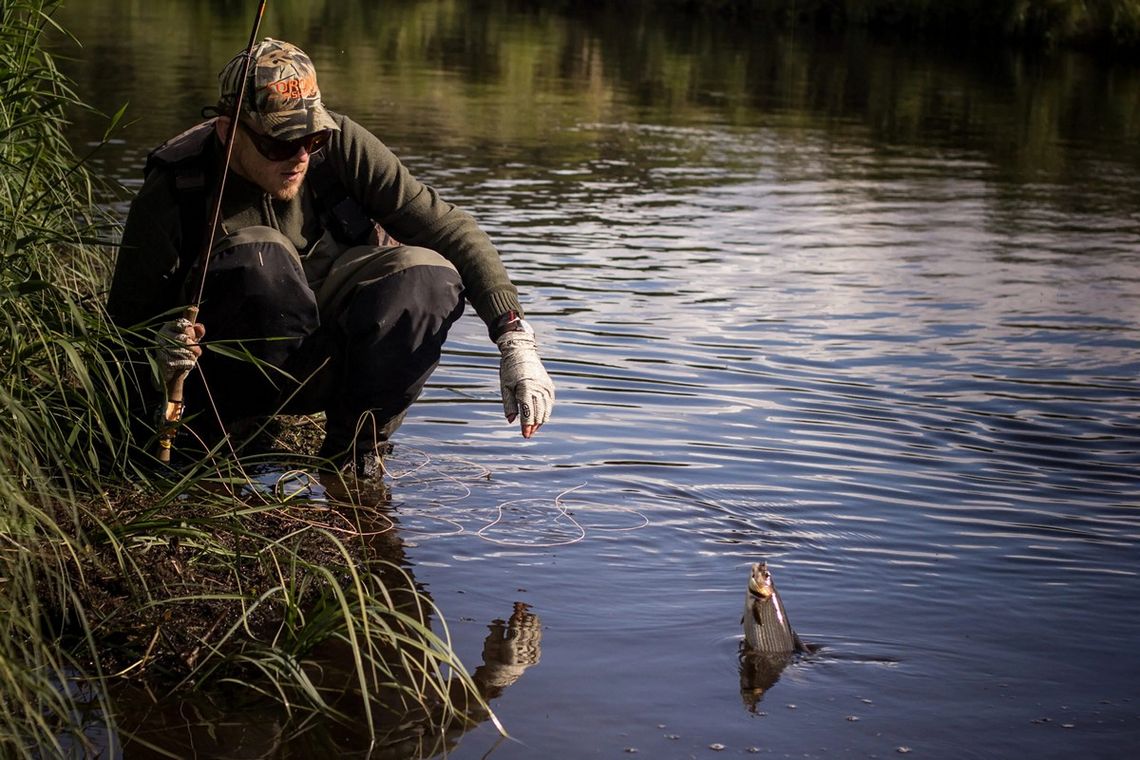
[864, 311]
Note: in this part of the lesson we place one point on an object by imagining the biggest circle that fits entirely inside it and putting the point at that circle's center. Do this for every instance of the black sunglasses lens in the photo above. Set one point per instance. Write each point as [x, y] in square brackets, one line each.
[281, 150]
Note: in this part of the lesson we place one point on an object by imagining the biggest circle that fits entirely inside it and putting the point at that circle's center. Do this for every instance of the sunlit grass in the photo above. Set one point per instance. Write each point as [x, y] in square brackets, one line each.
[111, 572]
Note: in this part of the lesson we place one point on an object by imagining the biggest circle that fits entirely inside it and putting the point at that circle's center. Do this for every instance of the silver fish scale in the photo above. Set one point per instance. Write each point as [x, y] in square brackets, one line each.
[766, 627]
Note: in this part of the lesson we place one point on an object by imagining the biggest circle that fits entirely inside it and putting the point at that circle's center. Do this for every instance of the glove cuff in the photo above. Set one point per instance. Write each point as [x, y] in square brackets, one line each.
[506, 322]
[517, 330]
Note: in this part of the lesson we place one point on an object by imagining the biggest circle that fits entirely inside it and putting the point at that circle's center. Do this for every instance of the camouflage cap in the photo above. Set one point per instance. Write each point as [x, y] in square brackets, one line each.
[281, 95]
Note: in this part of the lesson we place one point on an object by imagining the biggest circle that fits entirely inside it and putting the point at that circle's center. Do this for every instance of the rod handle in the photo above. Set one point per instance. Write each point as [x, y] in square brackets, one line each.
[172, 409]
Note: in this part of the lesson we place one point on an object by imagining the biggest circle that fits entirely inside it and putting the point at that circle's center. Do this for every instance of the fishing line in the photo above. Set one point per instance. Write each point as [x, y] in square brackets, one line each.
[353, 529]
[559, 507]
[522, 516]
[530, 523]
[173, 406]
[432, 490]
[563, 512]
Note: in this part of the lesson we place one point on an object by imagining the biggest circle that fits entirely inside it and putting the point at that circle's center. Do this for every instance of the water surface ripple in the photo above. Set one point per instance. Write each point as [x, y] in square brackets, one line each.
[918, 404]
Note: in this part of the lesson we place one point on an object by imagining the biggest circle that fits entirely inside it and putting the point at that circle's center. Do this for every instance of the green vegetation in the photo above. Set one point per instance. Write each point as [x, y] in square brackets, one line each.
[51, 374]
[190, 583]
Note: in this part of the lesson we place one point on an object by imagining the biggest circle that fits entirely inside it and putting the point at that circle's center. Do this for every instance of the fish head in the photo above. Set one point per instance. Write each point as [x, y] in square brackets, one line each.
[760, 582]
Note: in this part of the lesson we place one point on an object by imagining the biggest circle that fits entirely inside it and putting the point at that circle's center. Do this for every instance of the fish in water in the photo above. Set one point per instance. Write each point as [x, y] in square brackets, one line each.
[765, 621]
[770, 642]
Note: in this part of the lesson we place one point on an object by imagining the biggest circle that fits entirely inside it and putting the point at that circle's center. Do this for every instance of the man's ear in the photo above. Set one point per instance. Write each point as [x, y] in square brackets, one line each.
[222, 127]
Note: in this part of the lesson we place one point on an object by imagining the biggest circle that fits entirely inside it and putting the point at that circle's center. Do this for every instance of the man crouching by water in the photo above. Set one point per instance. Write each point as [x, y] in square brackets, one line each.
[337, 313]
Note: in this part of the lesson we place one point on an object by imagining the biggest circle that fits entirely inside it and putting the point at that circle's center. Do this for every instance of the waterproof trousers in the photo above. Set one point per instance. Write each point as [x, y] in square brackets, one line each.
[359, 344]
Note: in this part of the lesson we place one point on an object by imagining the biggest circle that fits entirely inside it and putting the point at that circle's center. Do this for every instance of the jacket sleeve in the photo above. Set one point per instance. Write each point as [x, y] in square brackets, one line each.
[415, 214]
[144, 284]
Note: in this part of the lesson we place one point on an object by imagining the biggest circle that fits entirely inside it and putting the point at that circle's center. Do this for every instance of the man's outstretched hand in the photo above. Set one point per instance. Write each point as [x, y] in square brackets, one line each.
[528, 391]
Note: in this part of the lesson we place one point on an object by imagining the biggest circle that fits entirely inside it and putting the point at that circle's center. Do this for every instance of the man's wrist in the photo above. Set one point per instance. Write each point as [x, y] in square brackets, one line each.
[510, 321]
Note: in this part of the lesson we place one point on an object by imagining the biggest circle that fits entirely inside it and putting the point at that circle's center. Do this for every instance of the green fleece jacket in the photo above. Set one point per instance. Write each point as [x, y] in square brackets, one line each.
[146, 278]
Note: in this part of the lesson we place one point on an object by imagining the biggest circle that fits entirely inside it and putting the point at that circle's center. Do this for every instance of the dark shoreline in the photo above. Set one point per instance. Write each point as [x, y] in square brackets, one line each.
[1108, 28]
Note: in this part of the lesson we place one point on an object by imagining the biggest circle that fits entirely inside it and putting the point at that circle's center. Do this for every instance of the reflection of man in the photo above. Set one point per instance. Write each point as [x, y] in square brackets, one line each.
[407, 731]
[403, 729]
[509, 649]
[337, 315]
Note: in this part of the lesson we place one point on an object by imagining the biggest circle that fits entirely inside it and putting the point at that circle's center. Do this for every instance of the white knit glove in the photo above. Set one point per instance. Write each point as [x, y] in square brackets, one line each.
[528, 392]
[178, 349]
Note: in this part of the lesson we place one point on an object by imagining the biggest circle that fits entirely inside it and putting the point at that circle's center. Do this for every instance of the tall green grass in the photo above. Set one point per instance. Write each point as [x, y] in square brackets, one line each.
[87, 541]
[53, 382]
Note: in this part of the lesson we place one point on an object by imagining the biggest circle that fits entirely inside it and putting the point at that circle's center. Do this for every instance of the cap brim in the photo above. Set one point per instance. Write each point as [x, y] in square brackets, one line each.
[290, 125]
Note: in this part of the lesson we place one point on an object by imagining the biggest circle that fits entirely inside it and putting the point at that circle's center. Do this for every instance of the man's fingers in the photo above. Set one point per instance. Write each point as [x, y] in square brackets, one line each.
[193, 335]
[190, 336]
[510, 405]
[534, 410]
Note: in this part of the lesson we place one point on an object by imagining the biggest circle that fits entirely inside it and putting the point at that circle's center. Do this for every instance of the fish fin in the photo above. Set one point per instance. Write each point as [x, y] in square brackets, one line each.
[756, 615]
[798, 644]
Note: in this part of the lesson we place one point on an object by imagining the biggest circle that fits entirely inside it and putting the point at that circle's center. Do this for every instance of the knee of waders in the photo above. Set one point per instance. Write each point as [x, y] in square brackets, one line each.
[418, 305]
[255, 287]
[410, 291]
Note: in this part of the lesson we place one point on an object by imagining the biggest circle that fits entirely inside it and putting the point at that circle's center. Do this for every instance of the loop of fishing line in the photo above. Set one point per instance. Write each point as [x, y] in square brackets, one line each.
[418, 475]
[563, 513]
[531, 523]
[561, 510]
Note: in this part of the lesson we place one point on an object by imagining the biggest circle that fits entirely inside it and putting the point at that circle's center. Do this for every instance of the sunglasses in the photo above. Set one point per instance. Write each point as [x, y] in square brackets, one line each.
[280, 150]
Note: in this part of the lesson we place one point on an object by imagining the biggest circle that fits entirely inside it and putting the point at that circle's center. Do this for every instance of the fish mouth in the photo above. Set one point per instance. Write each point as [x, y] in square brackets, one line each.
[760, 582]
[760, 593]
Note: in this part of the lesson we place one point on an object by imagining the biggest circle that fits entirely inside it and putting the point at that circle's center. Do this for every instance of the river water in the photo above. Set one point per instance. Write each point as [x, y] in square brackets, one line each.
[866, 311]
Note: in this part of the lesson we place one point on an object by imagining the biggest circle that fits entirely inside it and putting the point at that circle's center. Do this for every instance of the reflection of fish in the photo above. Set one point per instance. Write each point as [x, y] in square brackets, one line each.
[769, 640]
[765, 621]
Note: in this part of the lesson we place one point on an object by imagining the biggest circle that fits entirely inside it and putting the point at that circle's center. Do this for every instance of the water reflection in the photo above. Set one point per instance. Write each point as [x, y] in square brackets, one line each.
[518, 86]
[240, 725]
[759, 672]
[235, 718]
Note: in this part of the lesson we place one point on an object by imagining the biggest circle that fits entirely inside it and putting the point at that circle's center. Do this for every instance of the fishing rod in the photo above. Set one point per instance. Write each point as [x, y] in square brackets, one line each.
[172, 411]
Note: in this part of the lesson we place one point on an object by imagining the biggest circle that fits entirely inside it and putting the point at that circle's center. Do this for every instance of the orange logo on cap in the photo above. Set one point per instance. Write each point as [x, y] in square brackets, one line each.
[294, 89]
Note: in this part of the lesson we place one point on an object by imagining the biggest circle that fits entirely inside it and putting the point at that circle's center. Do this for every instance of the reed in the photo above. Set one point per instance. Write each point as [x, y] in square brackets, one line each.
[50, 377]
[109, 572]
